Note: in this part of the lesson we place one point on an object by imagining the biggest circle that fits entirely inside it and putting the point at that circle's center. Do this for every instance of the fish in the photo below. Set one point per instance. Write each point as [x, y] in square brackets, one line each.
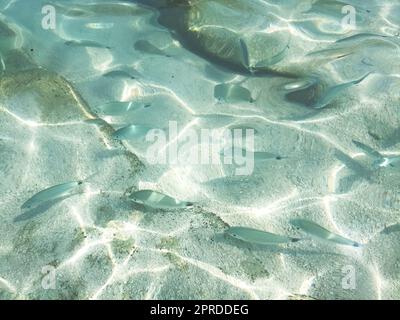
[300, 84]
[391, 229]
[117, 108]
[86, 43]
[380, 161]
[258, 156]
[2, 64]
[158, 200]
[261, 65]
[353, 45]
[52, 193]
[332, 92]
[244, 58]
[121, 74]
[257, 236]
[331, 53]
[262, 156]
[361, 36]
[388, 161]
[232, 93]
[131, 132]
[318, 232]
[146, 47]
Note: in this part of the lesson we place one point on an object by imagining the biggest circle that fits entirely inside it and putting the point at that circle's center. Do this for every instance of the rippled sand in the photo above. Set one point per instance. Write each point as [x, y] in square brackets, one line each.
[101, 245]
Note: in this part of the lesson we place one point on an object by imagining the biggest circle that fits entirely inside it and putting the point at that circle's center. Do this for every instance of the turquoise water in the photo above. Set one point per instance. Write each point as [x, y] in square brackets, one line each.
[92, 208]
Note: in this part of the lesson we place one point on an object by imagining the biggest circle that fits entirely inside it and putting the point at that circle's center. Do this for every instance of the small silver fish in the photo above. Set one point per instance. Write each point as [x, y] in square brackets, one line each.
[332, 92]
[361, 36]
[86, 43]
[318, 232]
[263, 156]
[380, 161]
[121, 74]
[257, 236]
[300, 84]
[258, 156]
[116, 108]
[391, 229]
[314, 93]
[131, 132]
[245, 59]
[232, 93]
[2, 64]
[52, 193]
[158, 200]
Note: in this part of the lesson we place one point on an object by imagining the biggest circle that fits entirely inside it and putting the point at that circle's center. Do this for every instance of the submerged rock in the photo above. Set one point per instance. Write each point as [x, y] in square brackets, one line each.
[229, 33]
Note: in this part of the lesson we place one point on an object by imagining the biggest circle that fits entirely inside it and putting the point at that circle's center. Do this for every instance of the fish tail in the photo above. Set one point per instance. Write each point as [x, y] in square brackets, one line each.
[244, 54]
[362, 78]
[357, 245]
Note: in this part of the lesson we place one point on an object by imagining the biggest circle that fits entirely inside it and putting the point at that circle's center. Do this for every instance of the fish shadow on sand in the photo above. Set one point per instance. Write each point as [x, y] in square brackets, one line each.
[40, 209]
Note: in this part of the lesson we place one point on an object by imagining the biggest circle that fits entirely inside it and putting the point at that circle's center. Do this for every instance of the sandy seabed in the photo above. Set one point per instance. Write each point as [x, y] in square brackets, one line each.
[99, 244]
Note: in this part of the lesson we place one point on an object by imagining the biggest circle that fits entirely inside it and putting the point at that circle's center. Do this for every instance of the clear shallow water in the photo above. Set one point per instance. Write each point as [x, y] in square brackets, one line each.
[304, 69]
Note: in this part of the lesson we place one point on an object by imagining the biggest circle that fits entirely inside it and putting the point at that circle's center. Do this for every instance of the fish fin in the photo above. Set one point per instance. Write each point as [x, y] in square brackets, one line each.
[2, 64]
[244, 54]
[362, 78]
